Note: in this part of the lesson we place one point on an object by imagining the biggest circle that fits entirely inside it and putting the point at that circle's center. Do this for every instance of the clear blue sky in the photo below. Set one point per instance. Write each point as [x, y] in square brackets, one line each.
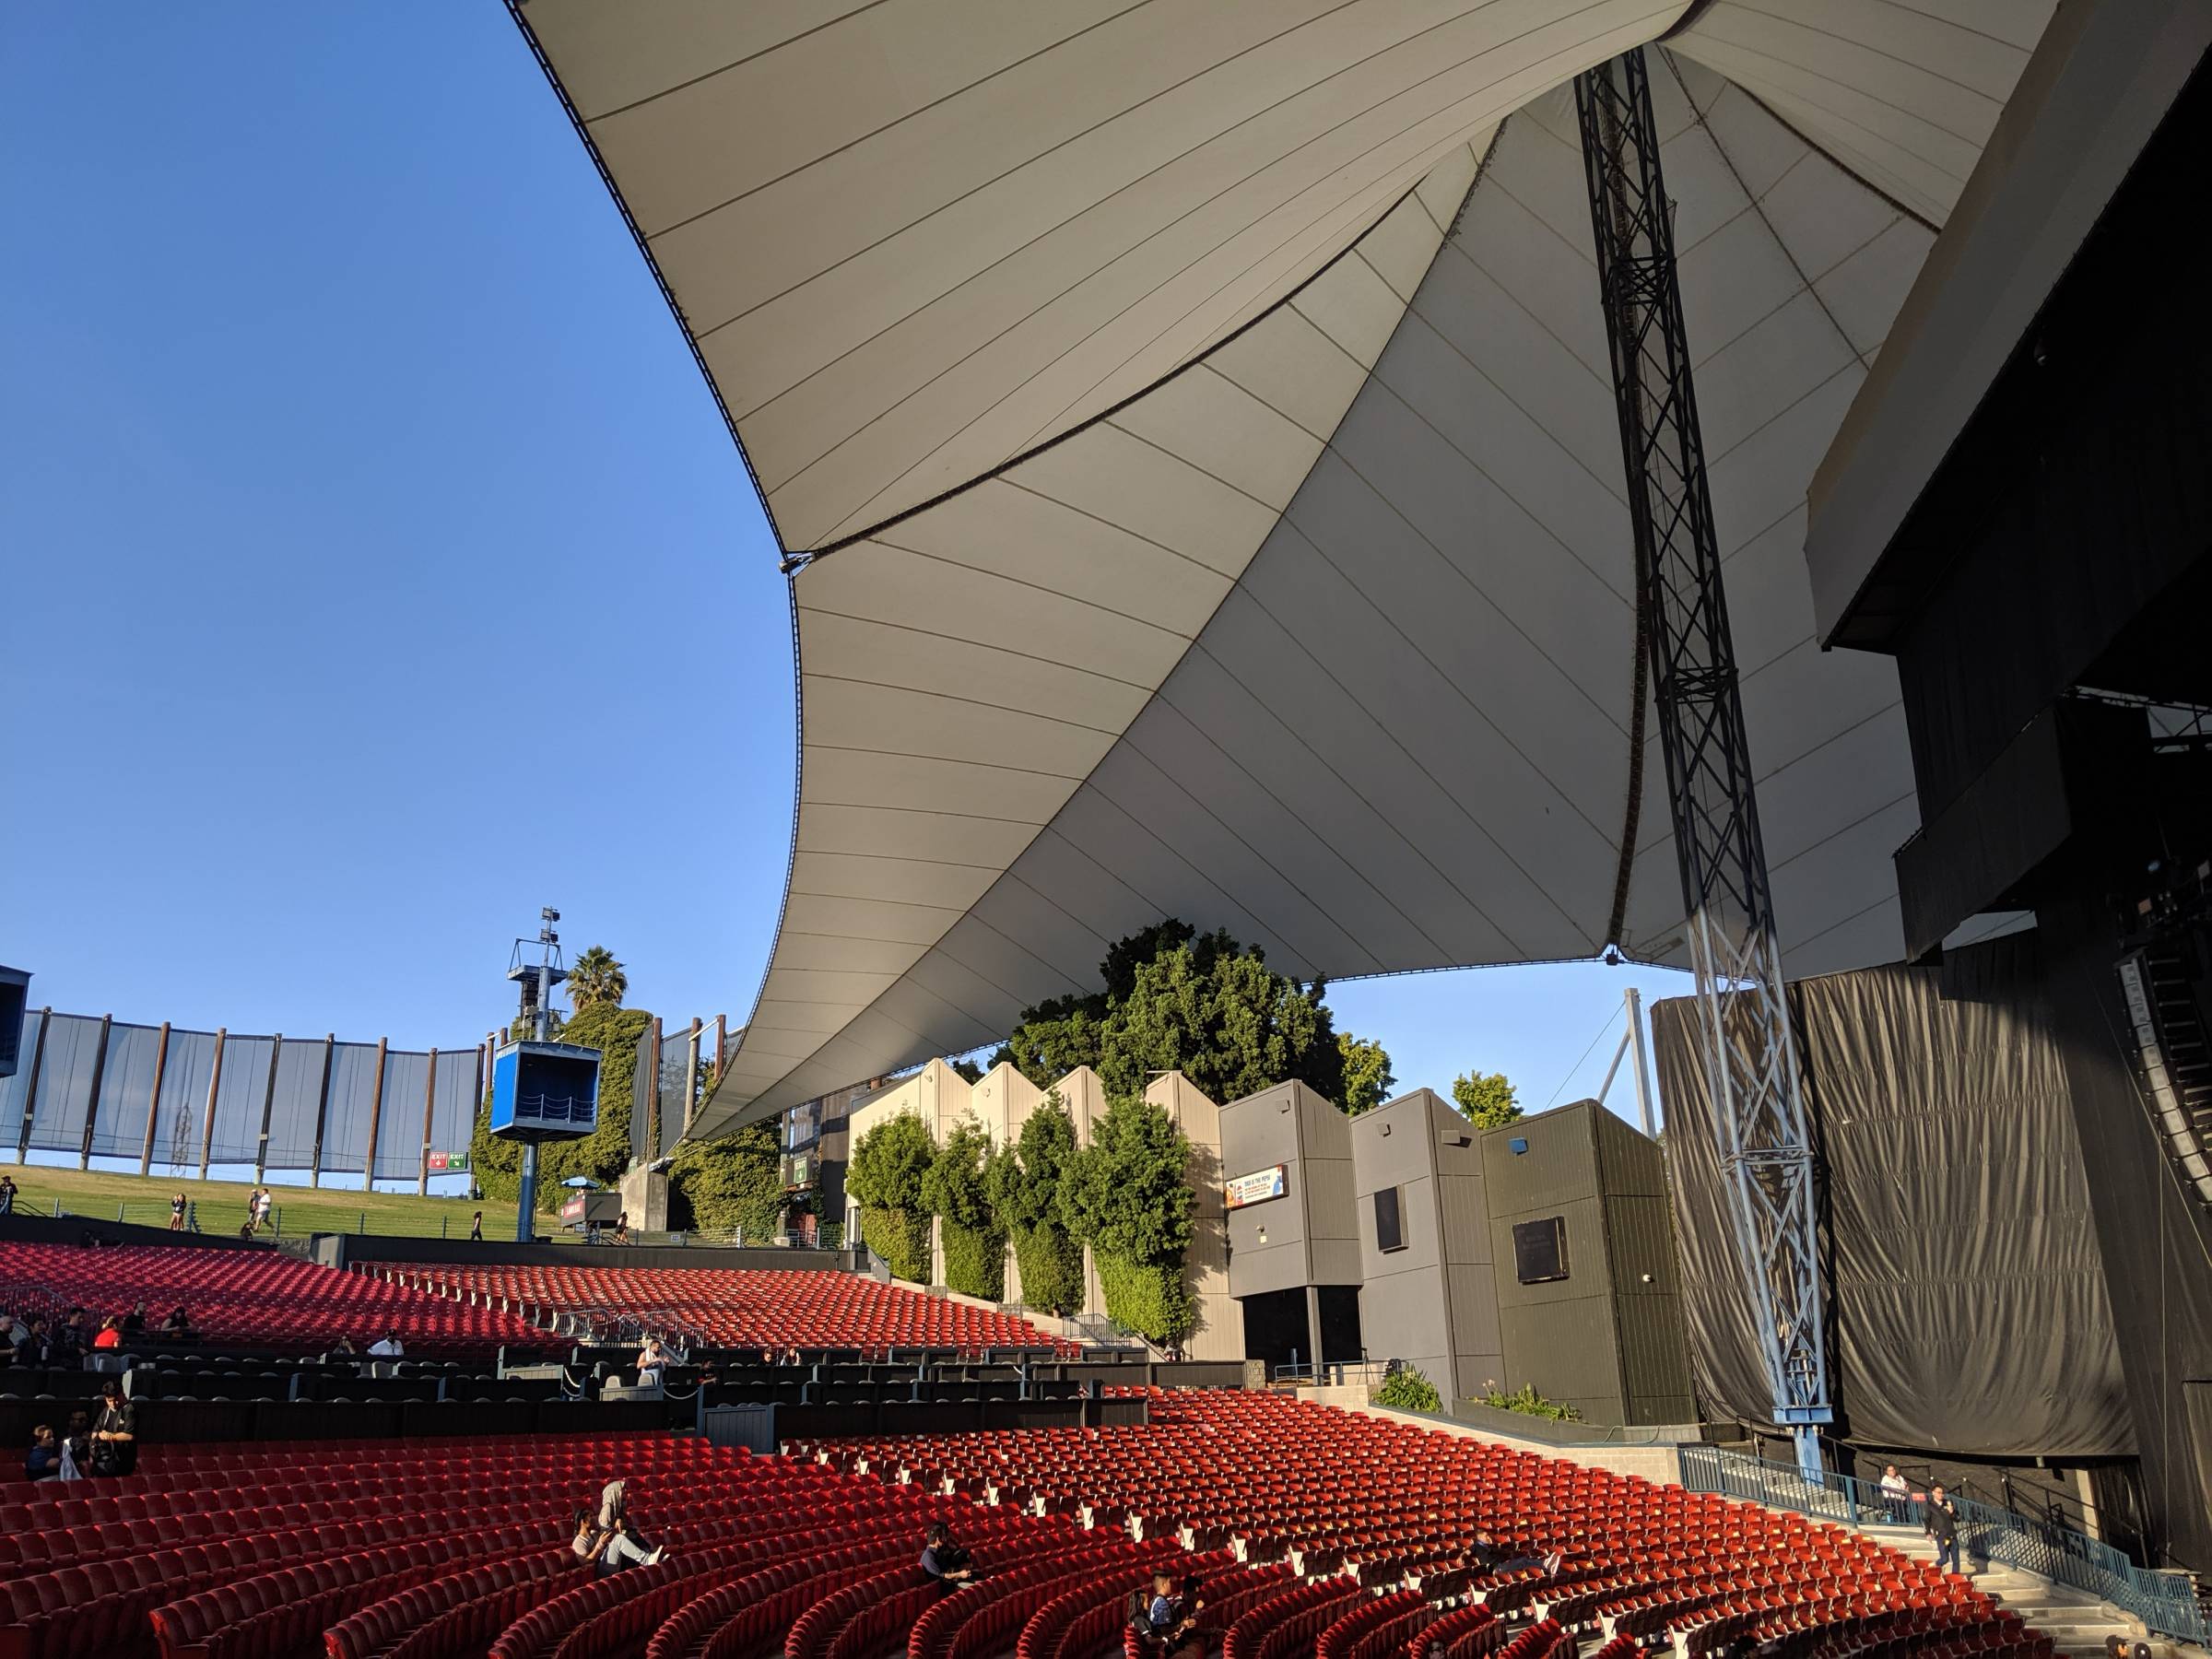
[378, 568]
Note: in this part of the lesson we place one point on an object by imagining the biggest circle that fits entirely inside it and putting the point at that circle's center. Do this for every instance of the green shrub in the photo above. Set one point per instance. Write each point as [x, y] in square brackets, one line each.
[1148, 1298]
[1022, 1183]
[901, 1239]
[1052, 1268]
[1408, 1389]
[954, 1189]
[890, 1162]
[975, 1261]
[1127, 1194]
[1529, 1403]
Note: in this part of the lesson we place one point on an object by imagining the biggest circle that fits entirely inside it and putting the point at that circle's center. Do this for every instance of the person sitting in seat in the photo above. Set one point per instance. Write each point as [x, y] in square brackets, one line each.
[134, 1322]
[614, 1520]
[45, 1460]
[1170, 1625]
[608, 1549]
[945, 1558]
[388, 1347]
[652, 1360]
[110, 1333]
[177, 1327]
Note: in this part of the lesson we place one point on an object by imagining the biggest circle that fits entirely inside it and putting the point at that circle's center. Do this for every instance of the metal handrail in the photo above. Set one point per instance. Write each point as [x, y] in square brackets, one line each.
[2166, 1602]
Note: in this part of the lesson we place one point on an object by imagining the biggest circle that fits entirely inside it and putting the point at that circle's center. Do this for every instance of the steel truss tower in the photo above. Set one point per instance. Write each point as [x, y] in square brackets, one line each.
[1682, 621]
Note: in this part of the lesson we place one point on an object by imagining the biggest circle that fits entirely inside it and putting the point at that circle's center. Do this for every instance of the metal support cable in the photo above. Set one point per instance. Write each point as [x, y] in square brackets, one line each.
[1750, 1051]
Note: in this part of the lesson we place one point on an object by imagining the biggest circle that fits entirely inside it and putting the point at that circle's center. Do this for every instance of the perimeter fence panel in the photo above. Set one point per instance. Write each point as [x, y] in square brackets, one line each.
[292, 1112]
[57, 1122]
[399, 1136]
[14, 1091]
[453, 1126]
[183, 1105]
[239, 1098]
[675, 1105]
[352, 1104]
[126, 1091]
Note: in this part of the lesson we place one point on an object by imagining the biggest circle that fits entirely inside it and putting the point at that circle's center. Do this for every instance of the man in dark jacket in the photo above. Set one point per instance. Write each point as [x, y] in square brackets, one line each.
[1942, 1520]
[114, 1432]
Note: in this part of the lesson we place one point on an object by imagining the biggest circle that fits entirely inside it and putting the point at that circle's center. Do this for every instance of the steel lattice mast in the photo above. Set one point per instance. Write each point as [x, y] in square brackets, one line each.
[1750, 1055]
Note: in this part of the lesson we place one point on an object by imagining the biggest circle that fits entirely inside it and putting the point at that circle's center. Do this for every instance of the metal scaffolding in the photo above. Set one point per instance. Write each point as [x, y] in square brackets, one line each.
[1682, 621]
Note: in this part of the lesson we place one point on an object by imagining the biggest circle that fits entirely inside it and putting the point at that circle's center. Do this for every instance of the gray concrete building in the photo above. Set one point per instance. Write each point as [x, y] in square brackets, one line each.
[1590, 1307]
[1294, 1258]
[1428, 1292]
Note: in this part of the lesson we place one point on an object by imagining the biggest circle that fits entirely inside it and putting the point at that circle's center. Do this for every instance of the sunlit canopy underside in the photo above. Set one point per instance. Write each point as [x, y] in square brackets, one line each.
[1201, 417]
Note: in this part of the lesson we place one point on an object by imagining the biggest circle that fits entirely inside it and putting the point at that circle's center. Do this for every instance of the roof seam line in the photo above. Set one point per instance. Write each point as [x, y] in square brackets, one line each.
[1013, 461]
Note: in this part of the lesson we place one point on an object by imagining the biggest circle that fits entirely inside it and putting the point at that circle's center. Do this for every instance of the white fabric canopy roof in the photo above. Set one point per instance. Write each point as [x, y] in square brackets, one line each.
[1200, 413]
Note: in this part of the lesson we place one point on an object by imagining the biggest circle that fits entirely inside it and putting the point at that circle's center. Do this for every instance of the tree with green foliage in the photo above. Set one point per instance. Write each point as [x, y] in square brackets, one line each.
[1367, 1078]
[596, 978]
[733, 1183]
[602, 1155]
[1127, 1196]
[1178, 1000]
[1409, 1389]
[884, 1176]
[954, 1189]
[1486, 1099]
[967, 1071]
[1220, 1016]
[1053, 1038]
[1023, 1182]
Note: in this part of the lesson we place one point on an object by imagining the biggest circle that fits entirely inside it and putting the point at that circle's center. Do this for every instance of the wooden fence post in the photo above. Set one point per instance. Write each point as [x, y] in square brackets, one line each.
[214, 1085]
[153, 1104]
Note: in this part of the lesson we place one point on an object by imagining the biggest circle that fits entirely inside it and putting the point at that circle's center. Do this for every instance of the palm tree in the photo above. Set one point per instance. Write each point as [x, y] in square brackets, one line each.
[596, 978]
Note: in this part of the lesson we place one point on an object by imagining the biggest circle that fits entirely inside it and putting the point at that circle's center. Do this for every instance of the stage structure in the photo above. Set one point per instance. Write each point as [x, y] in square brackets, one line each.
[541, 1090]
[1682, 623]
[1198, 467]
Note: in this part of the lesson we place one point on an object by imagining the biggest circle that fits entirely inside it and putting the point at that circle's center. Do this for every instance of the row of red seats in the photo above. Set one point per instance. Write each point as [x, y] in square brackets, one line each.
[745, 1308]
[257, 1297]
[1375, 1504]
[1294, 1513]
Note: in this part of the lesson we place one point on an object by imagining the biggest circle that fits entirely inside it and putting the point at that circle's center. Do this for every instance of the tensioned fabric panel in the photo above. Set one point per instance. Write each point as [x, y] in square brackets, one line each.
[292, 1113]
[399, 1136]
[452, 1125]
[238, 1096]
[352, 1099]
[913, 240]
[1340, 661]
[183, 1103]
[1402, 739]
[64, 1083]
[1904, 96]
[126, 1086]
[965, 670]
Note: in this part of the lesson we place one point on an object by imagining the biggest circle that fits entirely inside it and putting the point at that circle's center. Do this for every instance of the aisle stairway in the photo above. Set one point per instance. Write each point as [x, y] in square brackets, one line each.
[2076, 1621]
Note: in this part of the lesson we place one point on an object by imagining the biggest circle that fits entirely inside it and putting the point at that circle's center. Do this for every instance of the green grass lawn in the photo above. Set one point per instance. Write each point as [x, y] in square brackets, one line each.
[221, 1205]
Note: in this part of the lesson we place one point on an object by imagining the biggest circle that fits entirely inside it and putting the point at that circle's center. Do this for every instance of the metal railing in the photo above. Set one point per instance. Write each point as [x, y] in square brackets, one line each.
[295, 1218]
[2167, 1601]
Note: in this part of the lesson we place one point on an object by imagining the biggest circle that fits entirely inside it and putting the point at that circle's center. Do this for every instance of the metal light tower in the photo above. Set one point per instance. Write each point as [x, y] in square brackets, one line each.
[540, 1089]
[1750, 1054]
